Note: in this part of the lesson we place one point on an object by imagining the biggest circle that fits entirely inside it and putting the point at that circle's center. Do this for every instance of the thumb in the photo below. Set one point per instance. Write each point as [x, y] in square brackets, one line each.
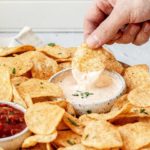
[107, 29]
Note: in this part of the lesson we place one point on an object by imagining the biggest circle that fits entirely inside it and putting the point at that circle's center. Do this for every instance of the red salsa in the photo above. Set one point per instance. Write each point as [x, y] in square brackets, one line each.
[11, 121]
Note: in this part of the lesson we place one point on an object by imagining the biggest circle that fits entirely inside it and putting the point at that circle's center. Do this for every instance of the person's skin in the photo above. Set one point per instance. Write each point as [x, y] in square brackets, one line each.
[120, 21]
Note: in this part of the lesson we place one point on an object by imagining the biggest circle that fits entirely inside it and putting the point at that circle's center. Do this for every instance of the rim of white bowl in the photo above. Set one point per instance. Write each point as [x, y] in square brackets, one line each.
[111, 72]
[22, 109]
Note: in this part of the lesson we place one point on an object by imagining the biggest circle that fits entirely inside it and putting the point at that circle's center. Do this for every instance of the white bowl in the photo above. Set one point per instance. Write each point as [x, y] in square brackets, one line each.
[14, 142]
[83, 107]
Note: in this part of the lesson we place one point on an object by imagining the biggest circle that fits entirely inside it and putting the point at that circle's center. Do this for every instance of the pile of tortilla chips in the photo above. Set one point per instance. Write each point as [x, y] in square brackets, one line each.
[54, 124]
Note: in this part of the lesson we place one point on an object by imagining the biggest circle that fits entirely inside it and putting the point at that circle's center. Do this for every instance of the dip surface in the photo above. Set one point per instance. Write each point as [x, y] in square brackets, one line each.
[94, 94]
[11, 121]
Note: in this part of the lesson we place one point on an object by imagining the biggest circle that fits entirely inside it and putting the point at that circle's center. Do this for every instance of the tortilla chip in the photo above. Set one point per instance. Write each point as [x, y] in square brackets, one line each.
[73, 123]
[67, 138]
[55, 51]
[135, 136]
[86, 60]
[43, 118]
[136, 76]
[5, 51]
[140, 96]
[17, 98]
[101, 135]
[17, 66]
[5, 85]
[39, 88]
[43, 66]
[34, 139]
[18, 80]
[28, 100]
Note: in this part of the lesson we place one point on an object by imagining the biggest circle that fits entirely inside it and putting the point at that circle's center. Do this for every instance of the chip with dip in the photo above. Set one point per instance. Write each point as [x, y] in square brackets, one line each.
[90, 84]
[66, 115]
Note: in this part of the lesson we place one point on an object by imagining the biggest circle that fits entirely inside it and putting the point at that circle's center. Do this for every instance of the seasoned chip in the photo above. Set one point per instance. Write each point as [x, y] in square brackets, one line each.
[34, 139]
[105, 58]
[39, 88]
[67, 138]
[18, 49]
[101, 135]
[17, 98]
[136, 135]
[18, 80]
[73, 123]
[43, 66]
[55, 51]
[136, 76]
[86, 60]
[140, 96]
[5, 85]
[17, 66]
[43, 118]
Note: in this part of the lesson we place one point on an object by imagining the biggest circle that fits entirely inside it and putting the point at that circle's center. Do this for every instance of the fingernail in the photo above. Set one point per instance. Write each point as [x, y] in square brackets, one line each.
[147, 28]
[93, 42]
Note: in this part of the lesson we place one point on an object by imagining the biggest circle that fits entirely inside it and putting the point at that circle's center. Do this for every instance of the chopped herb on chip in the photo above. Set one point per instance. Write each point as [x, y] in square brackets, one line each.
[71, 142]
[73, 122]
[14, 71]
[51, 44]
[143, 111]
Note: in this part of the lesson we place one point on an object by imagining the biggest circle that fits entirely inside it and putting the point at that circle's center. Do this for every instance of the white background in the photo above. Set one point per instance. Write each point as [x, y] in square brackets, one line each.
[59, 21]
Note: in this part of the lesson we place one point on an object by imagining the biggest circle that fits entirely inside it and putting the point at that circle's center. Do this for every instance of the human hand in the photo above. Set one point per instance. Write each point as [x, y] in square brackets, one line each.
[121, 21]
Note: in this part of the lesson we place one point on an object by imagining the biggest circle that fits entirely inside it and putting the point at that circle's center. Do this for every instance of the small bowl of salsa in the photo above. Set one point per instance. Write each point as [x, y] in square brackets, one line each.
[13, 129]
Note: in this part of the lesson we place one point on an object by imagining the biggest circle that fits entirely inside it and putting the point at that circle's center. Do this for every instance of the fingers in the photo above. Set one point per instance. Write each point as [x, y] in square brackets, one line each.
[107, 29]
[95, 15]
[129, 34]
[143, 35]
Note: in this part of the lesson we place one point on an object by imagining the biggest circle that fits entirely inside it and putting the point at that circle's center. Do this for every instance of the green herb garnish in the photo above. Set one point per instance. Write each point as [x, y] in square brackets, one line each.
[71, 142]
[14, 71]
[86, 136]
[75, 94]
[142, 110]
[73, 122]
[51, 44]
[82, 94]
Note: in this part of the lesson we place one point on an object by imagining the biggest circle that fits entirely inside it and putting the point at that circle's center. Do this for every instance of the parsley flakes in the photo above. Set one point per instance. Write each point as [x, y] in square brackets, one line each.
[82, 94]
[51, 44]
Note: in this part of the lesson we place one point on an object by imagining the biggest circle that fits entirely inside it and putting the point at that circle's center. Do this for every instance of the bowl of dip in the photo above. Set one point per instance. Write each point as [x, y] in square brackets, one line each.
[98, 99]
[13, 129]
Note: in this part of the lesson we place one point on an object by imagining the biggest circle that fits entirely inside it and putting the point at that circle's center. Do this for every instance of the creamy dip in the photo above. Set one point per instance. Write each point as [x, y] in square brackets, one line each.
[87, 98]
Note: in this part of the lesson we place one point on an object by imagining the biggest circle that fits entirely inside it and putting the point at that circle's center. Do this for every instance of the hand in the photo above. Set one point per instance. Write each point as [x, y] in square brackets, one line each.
[121, 21]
